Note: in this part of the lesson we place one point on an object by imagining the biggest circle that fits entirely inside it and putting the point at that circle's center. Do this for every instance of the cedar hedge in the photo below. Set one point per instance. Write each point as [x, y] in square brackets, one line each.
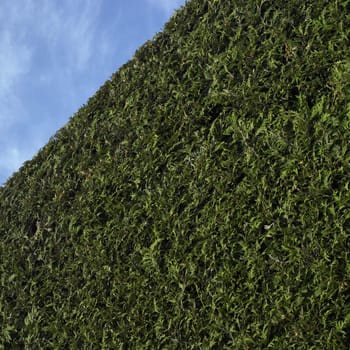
[200, 199]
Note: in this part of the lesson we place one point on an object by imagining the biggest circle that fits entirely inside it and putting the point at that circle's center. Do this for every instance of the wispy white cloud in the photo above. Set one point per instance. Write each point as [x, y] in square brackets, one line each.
[66, 28]
[69, 28]
[167, 6]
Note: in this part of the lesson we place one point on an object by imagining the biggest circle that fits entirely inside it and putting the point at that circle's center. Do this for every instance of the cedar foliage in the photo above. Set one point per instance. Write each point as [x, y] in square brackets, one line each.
[200, 199]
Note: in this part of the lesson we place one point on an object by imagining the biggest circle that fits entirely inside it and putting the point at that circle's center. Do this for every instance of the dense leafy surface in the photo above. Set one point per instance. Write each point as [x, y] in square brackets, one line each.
[200, 200]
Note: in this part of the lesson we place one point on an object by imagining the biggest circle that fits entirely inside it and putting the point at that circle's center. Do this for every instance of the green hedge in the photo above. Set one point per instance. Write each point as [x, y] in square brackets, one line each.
[200, 200]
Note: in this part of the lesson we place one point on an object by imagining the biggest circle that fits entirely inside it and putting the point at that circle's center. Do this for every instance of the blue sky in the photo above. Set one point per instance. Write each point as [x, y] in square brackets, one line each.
[55, 54]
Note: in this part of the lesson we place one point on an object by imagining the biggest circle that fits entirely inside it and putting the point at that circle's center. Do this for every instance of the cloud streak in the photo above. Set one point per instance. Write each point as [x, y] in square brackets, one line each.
[69, 29]
[65, 29]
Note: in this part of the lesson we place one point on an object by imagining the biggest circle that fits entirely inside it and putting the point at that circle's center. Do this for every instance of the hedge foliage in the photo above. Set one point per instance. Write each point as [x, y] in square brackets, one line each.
[200, 199]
